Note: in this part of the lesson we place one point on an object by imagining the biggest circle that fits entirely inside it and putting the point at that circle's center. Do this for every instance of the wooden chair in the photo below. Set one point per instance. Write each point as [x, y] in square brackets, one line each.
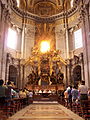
[85, 107]
[2, 115]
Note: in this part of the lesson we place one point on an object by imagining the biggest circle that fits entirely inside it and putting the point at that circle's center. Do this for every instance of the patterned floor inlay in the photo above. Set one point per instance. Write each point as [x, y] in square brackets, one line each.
[43, 111]
[47, 119]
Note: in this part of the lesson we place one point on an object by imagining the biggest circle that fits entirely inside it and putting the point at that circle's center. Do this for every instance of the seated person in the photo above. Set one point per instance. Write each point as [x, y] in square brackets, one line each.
[89, 93]
[9, 91]
[30, 94]
[2, 92]
[22, 94]
[36, 92]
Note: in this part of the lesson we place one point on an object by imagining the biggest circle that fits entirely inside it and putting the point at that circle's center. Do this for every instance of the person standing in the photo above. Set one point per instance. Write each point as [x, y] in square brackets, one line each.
[74, 93]
[83, 96]
[70, 96]
[3, 90]
[83, 91]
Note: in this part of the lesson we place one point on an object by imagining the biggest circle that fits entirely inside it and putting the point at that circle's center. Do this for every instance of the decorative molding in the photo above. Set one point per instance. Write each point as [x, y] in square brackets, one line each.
[37, 18]
[14, 62]
[76, 60]
[5, 11]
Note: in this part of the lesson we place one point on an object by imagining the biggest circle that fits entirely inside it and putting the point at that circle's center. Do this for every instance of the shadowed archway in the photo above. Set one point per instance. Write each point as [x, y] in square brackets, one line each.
[12, 74]
[77, 74]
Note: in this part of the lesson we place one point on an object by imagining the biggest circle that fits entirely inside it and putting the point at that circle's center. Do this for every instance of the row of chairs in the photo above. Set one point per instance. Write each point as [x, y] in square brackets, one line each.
[11, 106]
[82, 108]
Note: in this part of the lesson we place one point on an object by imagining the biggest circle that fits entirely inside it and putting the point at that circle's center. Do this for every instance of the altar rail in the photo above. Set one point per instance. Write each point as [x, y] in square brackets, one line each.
[46, 87]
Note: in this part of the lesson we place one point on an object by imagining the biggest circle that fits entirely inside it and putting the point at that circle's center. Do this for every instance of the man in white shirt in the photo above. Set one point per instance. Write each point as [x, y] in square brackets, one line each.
[83, 91]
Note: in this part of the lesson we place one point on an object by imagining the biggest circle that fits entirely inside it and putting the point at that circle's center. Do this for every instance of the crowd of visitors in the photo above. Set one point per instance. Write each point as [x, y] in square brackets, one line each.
[73, 94]
[77, 99]
[9, 91]
[77, 93]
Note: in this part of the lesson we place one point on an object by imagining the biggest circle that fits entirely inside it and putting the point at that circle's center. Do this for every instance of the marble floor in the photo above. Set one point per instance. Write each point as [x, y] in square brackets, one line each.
[45, 111]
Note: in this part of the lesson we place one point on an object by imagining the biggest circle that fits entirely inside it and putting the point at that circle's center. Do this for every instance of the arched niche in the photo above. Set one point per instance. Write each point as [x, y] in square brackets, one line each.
[12, 70]
[77, 74]
[13, 74]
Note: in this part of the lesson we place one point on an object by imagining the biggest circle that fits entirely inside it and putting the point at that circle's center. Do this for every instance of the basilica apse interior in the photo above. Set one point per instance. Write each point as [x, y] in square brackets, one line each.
[39, 42]
[44, 59]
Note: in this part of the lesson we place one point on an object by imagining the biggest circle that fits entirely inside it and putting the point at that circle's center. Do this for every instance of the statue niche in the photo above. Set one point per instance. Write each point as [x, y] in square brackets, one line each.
[12, 74]
[77, 74]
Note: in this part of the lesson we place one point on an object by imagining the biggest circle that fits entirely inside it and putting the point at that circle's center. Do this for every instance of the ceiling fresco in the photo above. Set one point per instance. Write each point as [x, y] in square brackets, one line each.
[44, 8]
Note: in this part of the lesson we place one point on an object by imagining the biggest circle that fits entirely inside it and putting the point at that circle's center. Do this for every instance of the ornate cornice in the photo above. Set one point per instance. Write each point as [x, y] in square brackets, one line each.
[43, 19]
[84, 12]
[5, 13]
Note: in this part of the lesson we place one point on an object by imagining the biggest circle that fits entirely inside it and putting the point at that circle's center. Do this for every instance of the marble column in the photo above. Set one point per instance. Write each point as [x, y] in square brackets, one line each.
[67, 43]
[23, 41]
[23, 76]
[82, 65]
[66, 77]
[84, 15]
[69, 68]
[5, 18]
[29, 40]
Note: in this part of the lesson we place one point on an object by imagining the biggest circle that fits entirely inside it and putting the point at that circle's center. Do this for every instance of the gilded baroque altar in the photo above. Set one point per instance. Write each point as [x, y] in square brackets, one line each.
[43, 65]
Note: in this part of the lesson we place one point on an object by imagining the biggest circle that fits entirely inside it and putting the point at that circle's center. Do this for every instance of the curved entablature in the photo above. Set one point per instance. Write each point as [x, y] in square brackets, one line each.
[52, 1]
[38, 18]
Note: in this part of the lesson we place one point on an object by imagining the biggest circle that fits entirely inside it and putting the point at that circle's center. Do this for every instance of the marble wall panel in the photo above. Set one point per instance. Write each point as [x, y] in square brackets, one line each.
[29, 40]
[60, 40]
